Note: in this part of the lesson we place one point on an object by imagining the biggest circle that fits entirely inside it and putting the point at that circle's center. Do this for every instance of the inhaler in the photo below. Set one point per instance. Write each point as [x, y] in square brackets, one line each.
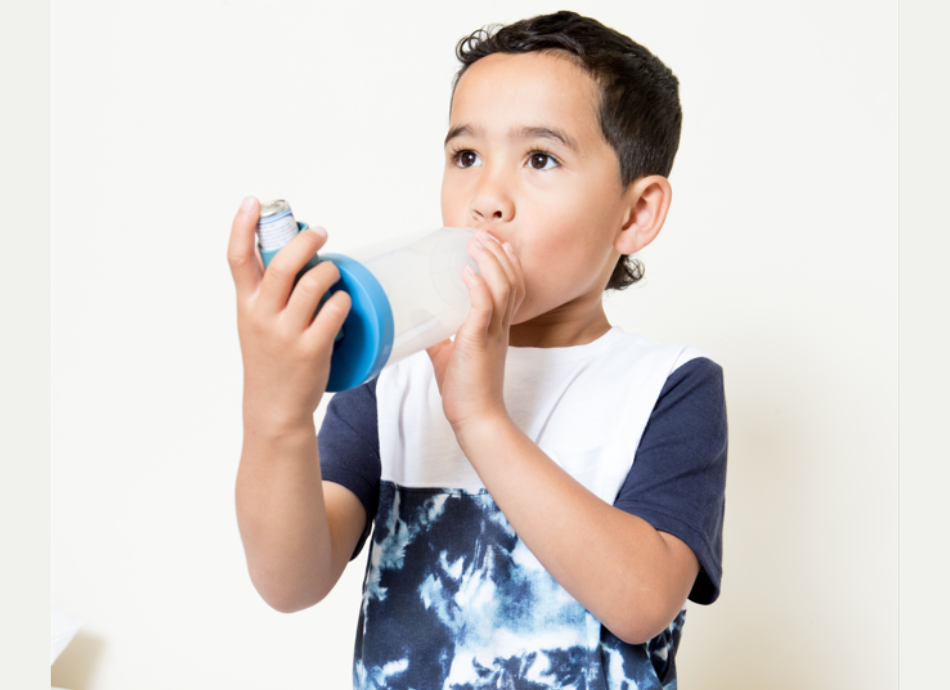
[407, 293]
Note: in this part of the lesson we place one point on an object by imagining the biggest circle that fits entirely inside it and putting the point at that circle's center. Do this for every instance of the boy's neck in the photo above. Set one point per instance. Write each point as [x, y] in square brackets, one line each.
[561, 327]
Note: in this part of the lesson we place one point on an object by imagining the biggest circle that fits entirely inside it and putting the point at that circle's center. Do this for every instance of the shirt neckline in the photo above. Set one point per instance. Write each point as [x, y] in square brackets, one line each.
[555, 355]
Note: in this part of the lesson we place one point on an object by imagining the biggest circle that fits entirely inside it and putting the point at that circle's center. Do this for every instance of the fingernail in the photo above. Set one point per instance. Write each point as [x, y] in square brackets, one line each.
[248, 203]
[488, 236]
[508, 248]
[318, 231]
[478, 240]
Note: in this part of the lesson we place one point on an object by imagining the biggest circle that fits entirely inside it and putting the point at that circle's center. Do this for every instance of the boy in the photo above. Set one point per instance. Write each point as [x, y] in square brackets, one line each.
[546, 490]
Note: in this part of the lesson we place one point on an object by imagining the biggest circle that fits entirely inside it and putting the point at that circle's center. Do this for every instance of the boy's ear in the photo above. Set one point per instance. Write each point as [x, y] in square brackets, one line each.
[647, 201]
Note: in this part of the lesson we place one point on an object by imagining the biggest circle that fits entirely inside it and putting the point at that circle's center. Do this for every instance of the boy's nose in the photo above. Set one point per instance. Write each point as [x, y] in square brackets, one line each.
[491, 203]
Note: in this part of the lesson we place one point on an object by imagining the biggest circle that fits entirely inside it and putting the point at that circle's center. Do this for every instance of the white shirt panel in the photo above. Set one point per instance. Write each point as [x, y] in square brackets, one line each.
[585, 406]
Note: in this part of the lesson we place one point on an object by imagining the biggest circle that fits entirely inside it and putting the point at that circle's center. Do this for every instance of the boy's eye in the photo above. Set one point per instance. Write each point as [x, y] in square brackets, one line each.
[466, 159]
[542, 161]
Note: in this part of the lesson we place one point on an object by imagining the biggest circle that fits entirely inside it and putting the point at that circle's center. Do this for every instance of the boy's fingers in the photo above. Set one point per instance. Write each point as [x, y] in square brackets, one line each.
[520, 290]
[278, 281]
[506, 258]
[480, 315]
[491, 266]
[328, 321]
[308, 292]
[242, 257]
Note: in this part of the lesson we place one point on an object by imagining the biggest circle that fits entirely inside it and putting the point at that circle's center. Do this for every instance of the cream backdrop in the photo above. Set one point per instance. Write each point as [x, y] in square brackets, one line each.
[777, 258]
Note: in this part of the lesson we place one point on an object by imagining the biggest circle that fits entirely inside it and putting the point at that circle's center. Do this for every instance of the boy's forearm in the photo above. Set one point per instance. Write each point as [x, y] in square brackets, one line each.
[282, 516]
[617, 565]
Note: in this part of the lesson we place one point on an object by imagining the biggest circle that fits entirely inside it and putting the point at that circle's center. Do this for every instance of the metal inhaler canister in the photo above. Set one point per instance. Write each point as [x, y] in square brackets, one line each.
[275, 228]
[406, 294]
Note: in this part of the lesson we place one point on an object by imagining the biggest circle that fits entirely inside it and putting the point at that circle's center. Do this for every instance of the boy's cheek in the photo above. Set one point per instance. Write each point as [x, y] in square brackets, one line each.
[451, 218]
[453, 205]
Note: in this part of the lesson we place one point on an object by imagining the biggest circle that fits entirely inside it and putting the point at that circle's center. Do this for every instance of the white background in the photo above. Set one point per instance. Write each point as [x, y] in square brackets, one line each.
[779, 259]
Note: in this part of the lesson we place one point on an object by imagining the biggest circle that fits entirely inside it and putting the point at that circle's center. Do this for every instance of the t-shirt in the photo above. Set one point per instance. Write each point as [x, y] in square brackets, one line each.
[452, 598]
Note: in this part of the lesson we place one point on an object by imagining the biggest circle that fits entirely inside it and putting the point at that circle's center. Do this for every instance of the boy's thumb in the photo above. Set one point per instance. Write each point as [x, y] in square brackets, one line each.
[439, 354]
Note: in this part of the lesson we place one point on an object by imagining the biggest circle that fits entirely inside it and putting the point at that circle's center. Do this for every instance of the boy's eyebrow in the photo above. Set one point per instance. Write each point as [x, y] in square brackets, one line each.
[547, 133]
[523, 133]
[460, 130]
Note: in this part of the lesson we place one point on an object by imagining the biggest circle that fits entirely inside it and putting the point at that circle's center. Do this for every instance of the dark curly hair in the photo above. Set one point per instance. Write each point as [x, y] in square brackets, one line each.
[640, 114]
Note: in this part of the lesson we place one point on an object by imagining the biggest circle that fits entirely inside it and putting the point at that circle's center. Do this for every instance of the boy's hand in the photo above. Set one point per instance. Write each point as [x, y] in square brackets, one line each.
[471, 371]
[285, 349]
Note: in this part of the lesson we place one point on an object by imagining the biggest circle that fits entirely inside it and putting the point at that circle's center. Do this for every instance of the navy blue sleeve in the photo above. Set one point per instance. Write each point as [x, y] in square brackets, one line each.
[678, 479]
[349, 448]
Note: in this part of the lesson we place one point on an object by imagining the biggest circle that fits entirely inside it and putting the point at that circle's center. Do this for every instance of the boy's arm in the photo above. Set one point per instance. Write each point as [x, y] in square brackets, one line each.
[298, 531]
[293, 527]
[630, 576]
[633, 578]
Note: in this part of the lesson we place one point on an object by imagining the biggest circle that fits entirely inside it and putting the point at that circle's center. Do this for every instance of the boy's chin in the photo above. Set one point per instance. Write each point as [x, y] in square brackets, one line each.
[523, 316]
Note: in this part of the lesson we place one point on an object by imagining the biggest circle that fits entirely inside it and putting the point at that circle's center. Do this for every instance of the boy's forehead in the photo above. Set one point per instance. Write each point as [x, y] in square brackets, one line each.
[526, 89]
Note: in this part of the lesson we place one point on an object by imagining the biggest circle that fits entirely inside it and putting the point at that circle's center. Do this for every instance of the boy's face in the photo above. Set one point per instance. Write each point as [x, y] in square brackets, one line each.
[525, 160]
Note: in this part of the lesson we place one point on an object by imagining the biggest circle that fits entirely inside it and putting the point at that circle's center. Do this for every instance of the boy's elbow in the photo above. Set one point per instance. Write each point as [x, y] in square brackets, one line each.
[287, 600]
[635, 632]
[650, 606]
[644, 626]
[289, 604]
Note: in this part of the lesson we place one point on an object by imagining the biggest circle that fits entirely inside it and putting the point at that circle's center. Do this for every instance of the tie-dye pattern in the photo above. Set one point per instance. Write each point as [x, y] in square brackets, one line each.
[453, 600]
